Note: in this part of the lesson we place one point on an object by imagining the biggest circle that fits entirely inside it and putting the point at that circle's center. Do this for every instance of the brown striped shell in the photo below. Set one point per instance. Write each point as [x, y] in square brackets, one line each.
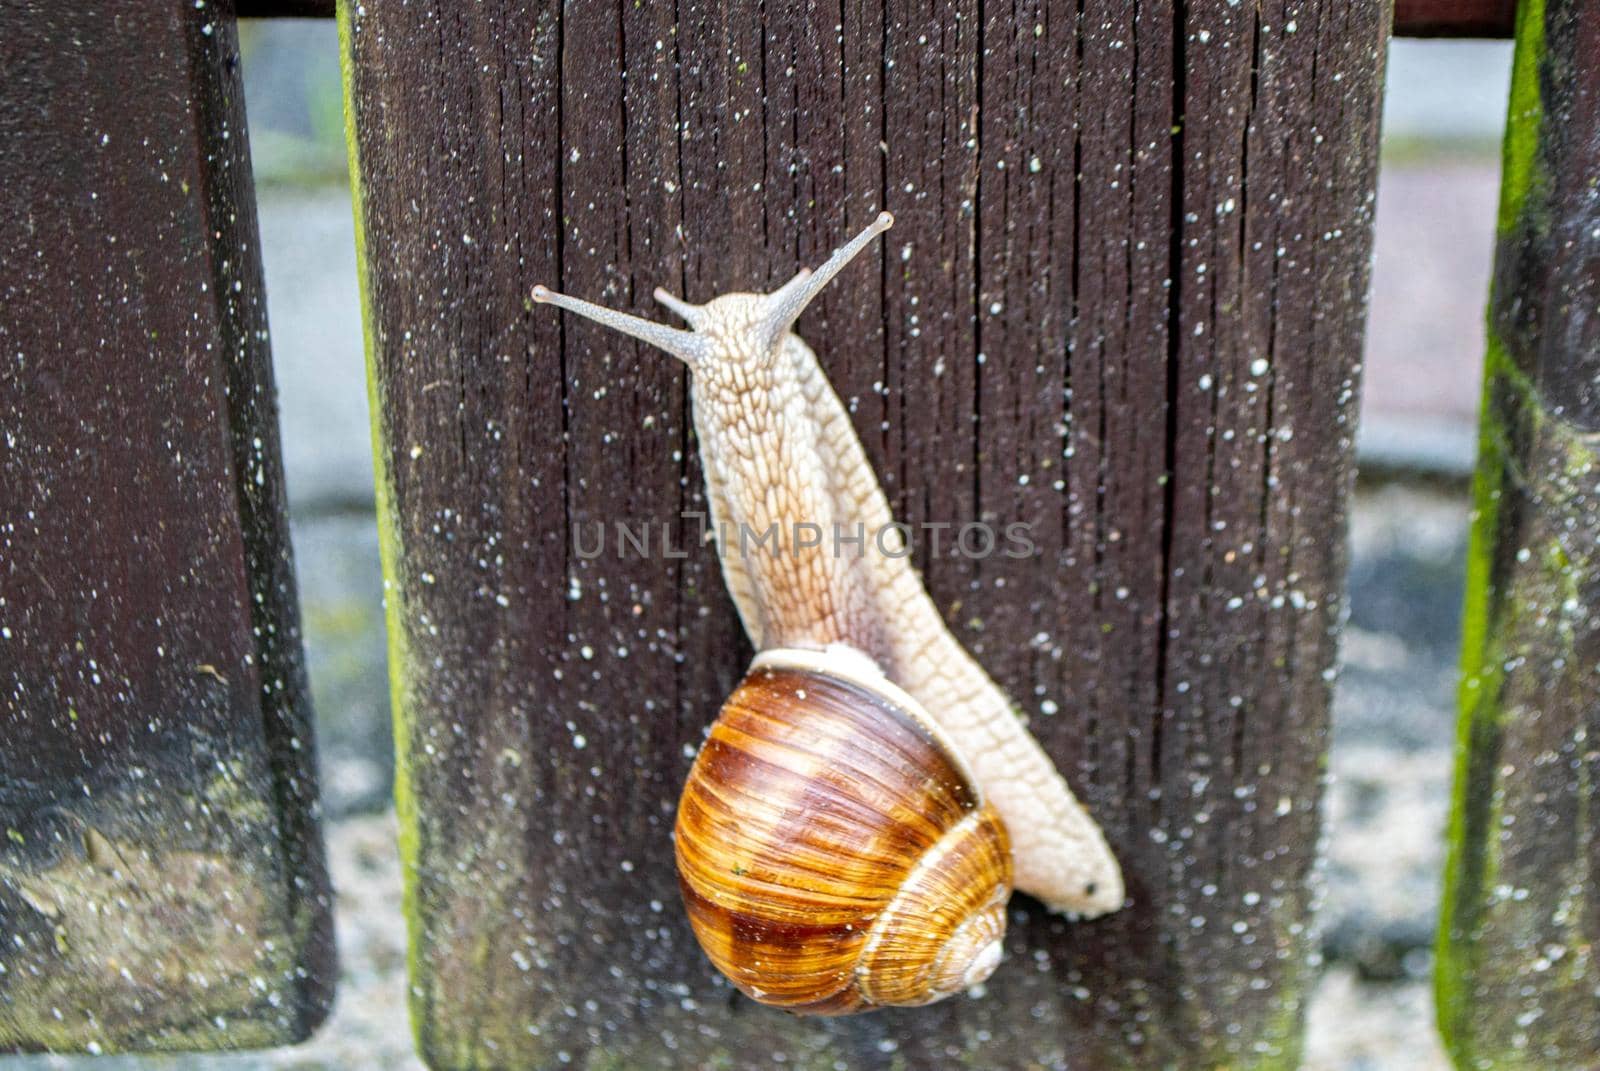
[834, 852]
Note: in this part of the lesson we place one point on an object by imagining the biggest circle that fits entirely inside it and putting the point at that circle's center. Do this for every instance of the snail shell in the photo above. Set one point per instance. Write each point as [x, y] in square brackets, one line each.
[834, 851]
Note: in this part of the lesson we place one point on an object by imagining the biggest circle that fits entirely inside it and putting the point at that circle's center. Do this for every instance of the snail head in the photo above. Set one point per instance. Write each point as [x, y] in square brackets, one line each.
[736, 331]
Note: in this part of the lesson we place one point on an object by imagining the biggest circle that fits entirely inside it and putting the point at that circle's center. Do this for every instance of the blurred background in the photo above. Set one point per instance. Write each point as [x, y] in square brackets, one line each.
[1394, 709]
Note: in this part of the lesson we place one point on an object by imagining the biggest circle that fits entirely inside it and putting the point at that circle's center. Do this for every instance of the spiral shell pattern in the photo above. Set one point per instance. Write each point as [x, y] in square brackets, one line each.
[833, 852]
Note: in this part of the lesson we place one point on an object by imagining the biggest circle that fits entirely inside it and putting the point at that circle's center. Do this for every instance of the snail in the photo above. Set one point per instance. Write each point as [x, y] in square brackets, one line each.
[868, 797]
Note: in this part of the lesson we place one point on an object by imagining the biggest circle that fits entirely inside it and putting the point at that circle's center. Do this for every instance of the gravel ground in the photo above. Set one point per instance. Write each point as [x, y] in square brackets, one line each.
[1356, 1026]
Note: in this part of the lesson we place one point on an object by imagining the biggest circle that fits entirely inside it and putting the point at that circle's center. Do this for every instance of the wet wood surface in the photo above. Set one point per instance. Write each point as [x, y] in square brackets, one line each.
[1412, 18]
[161, 873]
[1123, 304]
[301, 9]
[1518, 981]
[1454, 18]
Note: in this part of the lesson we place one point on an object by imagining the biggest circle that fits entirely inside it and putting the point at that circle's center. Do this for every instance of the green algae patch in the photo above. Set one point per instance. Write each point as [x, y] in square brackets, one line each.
[390, 551]
[1525, 116]
[138, 920]
[1516, 976]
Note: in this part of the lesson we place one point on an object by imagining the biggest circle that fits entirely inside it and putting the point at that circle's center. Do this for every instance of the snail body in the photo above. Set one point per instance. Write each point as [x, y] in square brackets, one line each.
[780, 454]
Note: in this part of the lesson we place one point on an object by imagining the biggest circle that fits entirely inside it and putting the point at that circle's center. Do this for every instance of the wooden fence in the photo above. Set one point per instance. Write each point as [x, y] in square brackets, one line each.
[1519, 956]
[1414, 18]
[1079, 299]
[161, 879]
[1123, 304]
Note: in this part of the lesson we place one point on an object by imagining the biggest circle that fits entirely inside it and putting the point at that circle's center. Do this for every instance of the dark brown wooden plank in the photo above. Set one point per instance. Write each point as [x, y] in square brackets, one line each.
[1412, 18]
[1122, 303]
[161, 879]
[1517, 979]
[1454, 18]
[299, 9]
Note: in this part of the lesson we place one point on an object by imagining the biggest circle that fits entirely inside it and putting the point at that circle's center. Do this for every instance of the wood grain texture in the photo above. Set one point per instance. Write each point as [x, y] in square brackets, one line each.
[1454, 18]
[1122, 303]
[161, 879]
[299, 9]
[1412, 18]
[1518, 982]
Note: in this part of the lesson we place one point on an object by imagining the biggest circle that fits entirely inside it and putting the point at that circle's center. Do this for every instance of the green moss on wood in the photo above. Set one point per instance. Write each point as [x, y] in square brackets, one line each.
[1525, 114]
[139, 919]
[1516, 976]
[1481, 673]
[389, 547]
